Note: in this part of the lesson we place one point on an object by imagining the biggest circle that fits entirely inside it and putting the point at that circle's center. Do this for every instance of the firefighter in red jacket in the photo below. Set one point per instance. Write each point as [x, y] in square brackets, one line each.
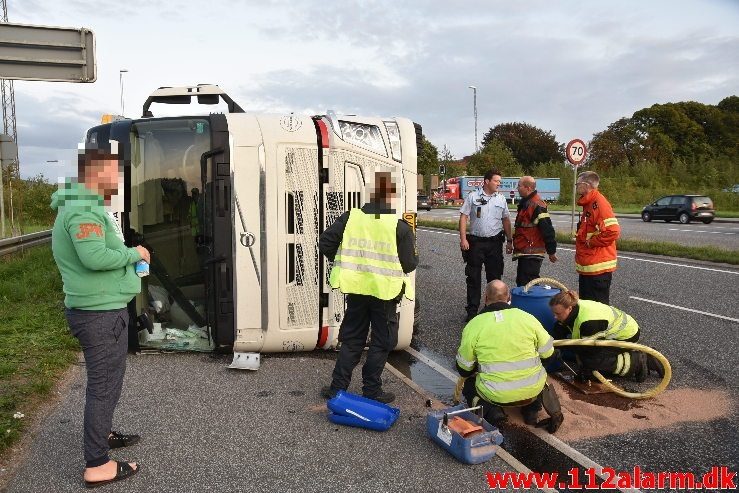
[595, 244]
[534, 234]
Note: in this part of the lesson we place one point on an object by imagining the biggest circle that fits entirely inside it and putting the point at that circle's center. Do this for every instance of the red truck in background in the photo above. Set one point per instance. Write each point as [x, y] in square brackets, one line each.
[458, 187]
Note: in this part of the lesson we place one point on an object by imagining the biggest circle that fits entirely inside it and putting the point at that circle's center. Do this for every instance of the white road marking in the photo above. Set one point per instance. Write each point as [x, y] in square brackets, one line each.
[685, 309]
[620, 256]
[580, 458]
[700, 231]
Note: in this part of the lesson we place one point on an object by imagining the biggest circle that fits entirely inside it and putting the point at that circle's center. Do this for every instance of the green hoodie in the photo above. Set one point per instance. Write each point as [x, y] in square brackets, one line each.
[96, 267]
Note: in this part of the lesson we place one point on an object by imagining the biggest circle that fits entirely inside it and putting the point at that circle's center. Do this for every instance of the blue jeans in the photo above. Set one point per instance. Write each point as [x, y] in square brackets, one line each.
[104, 340]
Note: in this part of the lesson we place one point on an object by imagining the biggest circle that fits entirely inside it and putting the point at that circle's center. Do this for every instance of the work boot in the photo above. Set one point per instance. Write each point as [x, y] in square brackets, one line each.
[495, 416]
[530, 416]
[655, 365]
[382, 396]
[327, 392]
[639, 367]
[552, 423]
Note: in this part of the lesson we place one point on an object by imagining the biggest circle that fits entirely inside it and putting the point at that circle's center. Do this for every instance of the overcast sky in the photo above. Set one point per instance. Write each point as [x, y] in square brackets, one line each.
[571, 67]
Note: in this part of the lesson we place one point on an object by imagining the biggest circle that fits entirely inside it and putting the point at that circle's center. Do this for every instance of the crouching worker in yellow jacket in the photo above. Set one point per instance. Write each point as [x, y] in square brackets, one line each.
[501, 355]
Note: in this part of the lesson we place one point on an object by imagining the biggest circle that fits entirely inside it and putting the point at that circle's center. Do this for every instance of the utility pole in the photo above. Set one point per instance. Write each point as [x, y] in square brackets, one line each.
[9, 127]
[474, 108]
[120, 79]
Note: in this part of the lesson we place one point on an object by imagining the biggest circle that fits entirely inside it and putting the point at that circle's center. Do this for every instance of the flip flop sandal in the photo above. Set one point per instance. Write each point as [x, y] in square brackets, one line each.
[124, 472]
[118, 440]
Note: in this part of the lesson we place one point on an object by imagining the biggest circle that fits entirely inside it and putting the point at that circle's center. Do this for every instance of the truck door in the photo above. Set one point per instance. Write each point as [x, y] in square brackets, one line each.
[179, 206]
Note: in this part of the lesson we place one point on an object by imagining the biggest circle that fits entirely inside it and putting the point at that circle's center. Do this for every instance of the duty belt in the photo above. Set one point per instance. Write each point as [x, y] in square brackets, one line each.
[498, 237]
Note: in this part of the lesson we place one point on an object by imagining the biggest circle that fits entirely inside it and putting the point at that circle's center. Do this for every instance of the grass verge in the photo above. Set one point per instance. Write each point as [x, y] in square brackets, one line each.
[27, 229]
[35, 344]
[707, 253]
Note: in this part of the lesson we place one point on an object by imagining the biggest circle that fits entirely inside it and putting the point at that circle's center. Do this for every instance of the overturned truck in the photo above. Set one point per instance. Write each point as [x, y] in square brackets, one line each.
[231, 206]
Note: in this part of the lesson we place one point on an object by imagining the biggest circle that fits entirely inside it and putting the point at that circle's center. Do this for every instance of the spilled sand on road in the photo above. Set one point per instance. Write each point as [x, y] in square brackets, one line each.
[590, 416]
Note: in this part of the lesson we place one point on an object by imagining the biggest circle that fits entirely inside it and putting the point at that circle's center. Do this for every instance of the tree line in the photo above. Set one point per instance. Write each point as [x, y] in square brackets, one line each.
[684, 147]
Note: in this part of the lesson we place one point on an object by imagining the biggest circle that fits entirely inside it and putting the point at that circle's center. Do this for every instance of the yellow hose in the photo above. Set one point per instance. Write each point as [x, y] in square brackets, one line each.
[545, 280]
[630, 346]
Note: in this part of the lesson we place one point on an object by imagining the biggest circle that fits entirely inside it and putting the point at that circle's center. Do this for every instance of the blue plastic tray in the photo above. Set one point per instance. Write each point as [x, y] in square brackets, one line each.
[474, 449]
[353, 410]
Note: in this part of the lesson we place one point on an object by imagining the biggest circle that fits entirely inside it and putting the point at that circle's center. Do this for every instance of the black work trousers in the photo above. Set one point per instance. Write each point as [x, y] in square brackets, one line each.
[603, 359]
[487, 252]
[529, 267]
[494, 414]
[596, 288]
[362, 312]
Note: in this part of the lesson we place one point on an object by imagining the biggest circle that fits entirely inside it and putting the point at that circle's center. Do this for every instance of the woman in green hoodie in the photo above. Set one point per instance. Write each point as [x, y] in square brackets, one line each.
[99, 279]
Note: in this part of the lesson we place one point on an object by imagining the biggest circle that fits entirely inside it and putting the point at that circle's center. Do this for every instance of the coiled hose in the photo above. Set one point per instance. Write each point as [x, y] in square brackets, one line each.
[612, 343]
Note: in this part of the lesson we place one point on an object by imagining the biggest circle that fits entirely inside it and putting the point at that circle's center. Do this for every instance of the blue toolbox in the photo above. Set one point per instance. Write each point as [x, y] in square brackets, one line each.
[353, 410]
[464, 434]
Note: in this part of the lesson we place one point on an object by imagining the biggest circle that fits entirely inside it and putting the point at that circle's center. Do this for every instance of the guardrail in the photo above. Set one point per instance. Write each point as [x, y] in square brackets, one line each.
[12, 245]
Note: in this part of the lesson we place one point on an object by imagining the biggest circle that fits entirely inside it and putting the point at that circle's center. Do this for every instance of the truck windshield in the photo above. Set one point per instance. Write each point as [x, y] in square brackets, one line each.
[168, 215]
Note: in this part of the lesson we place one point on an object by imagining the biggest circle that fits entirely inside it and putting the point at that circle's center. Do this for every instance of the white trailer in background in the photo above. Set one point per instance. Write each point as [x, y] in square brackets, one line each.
[232, 206]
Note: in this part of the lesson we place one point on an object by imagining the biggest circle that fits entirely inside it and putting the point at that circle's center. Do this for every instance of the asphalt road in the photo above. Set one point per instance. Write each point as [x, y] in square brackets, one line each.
[207, 428]
[719, 233]
[702, 348]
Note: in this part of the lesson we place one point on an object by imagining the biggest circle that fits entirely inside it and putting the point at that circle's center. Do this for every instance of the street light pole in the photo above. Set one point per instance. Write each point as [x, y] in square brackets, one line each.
[120, 79]
[474, 107]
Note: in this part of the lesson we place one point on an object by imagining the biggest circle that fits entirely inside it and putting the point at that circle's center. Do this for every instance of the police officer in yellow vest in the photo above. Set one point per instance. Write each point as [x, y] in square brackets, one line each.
[587, 319]
[503, 348]
[372, 251]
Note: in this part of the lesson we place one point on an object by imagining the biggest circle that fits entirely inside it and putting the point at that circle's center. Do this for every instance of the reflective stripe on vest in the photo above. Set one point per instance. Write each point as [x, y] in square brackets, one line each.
[367, 260]
[517, 384]
[609, 265]
[620, 325]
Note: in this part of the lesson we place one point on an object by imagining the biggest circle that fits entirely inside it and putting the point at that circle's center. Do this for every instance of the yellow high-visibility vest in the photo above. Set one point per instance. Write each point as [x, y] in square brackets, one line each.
[367, 260]
[508, 346]
[621, 326]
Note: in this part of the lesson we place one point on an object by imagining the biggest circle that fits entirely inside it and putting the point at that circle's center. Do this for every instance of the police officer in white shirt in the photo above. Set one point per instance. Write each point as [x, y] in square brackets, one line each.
[486, 212]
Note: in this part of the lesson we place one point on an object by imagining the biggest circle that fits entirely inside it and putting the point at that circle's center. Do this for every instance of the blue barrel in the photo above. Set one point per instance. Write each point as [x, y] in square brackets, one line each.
[536, 302]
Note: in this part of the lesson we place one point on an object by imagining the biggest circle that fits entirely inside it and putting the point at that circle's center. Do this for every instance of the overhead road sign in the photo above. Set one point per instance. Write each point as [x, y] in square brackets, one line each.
[58, 54]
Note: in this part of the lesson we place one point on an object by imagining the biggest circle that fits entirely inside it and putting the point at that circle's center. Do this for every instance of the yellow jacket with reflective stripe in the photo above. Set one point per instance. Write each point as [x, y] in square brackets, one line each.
[621, 326]
[367, 260]
[595, 243]
[507, 345]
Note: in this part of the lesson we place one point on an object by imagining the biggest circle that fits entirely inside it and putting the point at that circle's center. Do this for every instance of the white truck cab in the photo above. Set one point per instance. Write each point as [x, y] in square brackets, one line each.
[232, 205]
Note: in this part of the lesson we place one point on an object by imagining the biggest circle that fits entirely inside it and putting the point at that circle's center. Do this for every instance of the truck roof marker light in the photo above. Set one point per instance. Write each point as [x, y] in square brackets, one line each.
[324, 132]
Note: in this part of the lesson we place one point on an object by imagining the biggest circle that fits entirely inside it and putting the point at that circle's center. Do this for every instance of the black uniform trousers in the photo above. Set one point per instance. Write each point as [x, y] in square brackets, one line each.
[603, 359]
[596, 288]
[529, 267]
[362, 312]
[494, 414]
[487, 252]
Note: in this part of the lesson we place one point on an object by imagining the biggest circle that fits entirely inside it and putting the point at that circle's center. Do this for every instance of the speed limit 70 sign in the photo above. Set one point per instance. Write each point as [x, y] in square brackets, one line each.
[576, 152]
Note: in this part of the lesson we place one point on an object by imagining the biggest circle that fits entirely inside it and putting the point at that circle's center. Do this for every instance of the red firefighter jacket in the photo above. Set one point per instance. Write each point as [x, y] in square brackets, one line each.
[597, 232]
[534, 233]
